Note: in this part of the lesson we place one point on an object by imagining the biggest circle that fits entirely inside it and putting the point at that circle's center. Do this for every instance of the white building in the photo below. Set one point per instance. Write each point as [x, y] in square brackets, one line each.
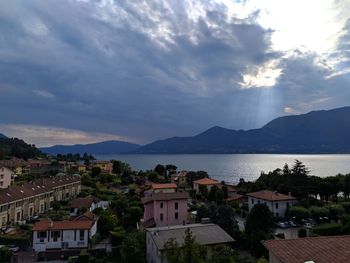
[89, 203]
[6, 177]
[276, 202]
[207, 235]
[63, 234]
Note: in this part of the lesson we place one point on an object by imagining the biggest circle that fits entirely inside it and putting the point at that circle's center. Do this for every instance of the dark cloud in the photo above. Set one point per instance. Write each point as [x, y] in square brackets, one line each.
[145, 70]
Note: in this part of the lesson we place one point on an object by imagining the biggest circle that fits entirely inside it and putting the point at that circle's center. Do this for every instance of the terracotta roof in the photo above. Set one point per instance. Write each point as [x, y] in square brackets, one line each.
[206, 181]
[165, 197]
[163, 186]
[86, 216]
[270, 196]
[62, 225]
[235, 197]
[316, 249]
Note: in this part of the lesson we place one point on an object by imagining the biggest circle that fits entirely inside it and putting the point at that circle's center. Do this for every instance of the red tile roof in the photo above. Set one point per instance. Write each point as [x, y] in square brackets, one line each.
[235, 197]
[316, 249]
[206, 181]
[163, 186]
[62, 225]
[83, 202]
[270, 196]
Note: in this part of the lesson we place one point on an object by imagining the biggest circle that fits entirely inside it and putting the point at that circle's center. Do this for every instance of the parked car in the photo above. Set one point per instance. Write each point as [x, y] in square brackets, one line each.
[282, 225]
[13, 248]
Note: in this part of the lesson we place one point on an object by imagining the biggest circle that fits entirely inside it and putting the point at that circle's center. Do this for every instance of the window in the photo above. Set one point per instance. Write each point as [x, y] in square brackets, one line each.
[252, 201]
[161, 205]
[31, 211]
[258, 201]
[176, 205]
[18, 216]
[176, 215]
[41, 235]
[1, 183]
[2, 176]
[81, 234]
[277, 215]
[161, 217]
[55, 235]
[287, 204]
[276, 205]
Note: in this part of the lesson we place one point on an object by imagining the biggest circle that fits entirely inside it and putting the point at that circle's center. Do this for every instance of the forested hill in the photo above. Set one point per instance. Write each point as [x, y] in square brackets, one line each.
[13, 147]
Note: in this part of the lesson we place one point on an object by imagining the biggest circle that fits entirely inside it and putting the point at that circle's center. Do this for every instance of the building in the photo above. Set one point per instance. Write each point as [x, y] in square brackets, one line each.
[105, 166]
[63, 234]
[208, 235]
[18, 203]
[238, 199]
[179, 178]
[204, 182]
[165, 209]
[309, 250]
[6, 177]
[19, 166]
[277, 203]
[89, 203]
[164, 188]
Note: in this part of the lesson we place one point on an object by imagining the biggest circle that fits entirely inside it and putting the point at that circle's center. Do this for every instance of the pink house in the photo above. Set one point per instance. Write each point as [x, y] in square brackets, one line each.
[165, 209]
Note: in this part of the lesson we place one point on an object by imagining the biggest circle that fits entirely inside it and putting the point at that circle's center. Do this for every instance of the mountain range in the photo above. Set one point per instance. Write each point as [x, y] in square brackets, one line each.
[106, 147]
[326, 131]
[2, 136]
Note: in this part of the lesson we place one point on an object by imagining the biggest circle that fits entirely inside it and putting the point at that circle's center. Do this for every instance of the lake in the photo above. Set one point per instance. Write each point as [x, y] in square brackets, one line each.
[232, 167]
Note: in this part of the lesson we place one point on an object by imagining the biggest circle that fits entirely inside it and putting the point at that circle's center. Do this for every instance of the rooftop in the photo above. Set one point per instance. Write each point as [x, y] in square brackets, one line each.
[206, 181]
[163, 186]
[205, 234]
[316, 249]
[83, 202]
[62, 225]
[270, 196]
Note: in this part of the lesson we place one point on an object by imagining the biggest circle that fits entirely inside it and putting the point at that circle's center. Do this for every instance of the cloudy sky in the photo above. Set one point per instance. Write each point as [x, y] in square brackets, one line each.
[79, 71]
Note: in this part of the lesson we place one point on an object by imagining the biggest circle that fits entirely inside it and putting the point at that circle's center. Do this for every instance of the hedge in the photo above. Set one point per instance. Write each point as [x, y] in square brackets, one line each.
[328, 229]
[22, 242]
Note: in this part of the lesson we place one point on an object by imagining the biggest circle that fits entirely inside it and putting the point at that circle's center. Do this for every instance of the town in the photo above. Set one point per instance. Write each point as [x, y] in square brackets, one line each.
[84, 210]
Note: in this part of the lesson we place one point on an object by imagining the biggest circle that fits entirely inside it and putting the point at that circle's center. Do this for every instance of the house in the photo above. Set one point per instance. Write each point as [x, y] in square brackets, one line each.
[105, 166]
[90, 203]
[164, 188]
[19, 166]
[179, 178]
[165, 209]
[309, 250]
[237, 198]
[204, 182]
[63, 234]
[6, 177]
[277, 203]
[18, 203]
[208, 235]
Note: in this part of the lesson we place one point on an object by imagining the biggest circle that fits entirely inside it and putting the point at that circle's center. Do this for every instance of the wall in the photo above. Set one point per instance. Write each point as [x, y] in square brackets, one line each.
[280, 211]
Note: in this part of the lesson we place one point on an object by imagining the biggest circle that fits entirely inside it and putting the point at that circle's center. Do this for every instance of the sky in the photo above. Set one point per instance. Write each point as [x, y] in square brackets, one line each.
[82, 71]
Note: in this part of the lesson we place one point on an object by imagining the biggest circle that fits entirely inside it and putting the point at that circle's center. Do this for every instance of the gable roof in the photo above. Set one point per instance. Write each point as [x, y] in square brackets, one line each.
[62, 225]
[83, 202]
[316, 249]
[206, 181]
[163, 186]
[165, 197]
[86, 216]
[205, 234]
[270, 196]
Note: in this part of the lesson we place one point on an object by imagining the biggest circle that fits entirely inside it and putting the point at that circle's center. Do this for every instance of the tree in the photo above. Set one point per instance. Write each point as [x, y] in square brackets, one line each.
[153, 177]
[56, 205]
[106, 222]
[133, 248]
[95, 171]
[132, 216]
[160, 169]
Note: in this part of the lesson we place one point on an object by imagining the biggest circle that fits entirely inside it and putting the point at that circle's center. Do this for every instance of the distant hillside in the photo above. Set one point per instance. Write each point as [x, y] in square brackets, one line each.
[13, 147]
[2, 136]
[107, 147]
[314, 132]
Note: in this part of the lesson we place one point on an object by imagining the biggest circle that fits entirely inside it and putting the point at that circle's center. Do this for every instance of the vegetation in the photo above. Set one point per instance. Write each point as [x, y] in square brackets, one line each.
[13, 147]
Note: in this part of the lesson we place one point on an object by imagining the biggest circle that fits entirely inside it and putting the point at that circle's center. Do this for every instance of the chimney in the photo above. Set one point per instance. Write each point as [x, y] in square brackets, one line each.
[50, 223]
[289, 193]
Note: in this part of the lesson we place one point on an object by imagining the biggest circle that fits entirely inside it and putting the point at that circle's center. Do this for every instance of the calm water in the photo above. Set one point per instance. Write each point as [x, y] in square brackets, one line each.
[232, 167]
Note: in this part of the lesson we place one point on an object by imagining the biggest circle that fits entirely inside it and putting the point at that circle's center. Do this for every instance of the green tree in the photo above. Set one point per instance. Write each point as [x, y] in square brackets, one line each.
[133, 248]
[153, 177]
[106, 222]
[160, 169]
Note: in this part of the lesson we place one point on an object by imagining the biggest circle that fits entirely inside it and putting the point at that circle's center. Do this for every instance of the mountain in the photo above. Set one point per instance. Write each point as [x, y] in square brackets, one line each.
[107, 147]
[2, 136]
[13, 147]
[314, 132]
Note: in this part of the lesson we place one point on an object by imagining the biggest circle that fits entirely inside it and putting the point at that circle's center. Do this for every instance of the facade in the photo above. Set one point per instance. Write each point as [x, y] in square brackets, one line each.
[207, 182]
[180, 178]
[63, 234]
[19, 166]
[309, 250]
[165, 209]
[105, 166]
[277, 203]
[6, 177]
[18, 203]
[208, 235]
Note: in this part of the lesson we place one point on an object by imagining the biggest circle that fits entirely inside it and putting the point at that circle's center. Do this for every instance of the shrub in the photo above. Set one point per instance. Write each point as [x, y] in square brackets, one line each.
[298, 212]
[346, 206]
[302, 232]
[328, 229]
[316, 211]
[22, 242]
[335, 211]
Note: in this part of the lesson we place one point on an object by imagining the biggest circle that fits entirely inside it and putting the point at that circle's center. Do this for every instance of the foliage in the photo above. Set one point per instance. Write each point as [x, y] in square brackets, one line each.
[107, 222]
[302, 232]
[160, 169]
[298, 212]
[13, 147]
[328, 229]
[153, 177]
[4, 254]
[120, 167]
[133, 248]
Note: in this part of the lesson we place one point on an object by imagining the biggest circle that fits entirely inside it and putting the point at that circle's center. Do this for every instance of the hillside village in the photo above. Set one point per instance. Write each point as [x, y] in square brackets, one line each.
[102, 211]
